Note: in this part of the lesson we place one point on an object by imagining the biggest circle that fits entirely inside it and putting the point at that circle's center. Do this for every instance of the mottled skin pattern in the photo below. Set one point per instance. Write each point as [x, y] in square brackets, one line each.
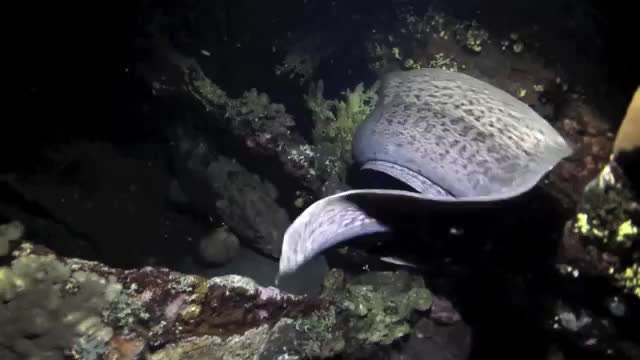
[462, 134]
[324, 224]
[455, 139]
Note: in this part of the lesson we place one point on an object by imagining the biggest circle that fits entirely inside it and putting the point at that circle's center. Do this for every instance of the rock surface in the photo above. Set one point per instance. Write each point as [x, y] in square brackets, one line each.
[87, 310]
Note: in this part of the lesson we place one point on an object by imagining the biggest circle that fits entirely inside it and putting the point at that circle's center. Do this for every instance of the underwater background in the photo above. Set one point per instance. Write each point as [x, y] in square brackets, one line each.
[154, 154]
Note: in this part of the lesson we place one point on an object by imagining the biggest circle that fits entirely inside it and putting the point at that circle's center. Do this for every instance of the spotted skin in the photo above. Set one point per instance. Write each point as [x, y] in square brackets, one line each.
[325, 223]
[464, 135]
[458, 141]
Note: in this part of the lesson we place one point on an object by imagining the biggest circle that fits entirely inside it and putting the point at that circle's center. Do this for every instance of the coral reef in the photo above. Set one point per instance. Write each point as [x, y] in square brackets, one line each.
[378, 305]
[607, 216]
[434, 39]
[247, 169]
[82, 308]
[86, 310]
[335, 122]
[54, 307]
[262, 128]
[471, 35]
[603, 236]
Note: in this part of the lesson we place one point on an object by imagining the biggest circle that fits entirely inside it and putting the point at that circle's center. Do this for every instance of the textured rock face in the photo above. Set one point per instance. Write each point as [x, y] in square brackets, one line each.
[216, 184]
[54, 306]
[90, 311]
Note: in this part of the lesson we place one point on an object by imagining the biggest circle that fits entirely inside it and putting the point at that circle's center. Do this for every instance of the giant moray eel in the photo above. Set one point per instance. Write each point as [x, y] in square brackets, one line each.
[456, 140]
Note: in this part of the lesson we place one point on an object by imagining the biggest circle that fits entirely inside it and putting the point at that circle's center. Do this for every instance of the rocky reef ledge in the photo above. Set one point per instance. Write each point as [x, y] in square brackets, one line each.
[66, 308]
